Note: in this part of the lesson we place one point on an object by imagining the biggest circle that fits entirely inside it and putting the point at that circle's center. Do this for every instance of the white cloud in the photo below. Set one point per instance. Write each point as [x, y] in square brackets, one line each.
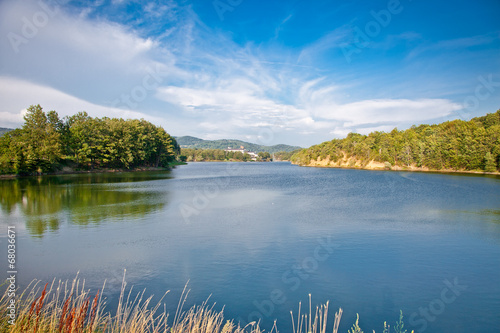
[17, 95]
[234, 106]
[321, 102]
[455, 44]
[340, 132]
[332, 40]
[392, 110]
[89, 58]
[235, 93]
[368, 130]
[209, 86]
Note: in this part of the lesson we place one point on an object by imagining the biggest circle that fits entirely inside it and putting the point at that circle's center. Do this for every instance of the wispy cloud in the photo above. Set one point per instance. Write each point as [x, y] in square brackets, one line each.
[332, 40]
[91, 59]
[17, 95]
[320, 103]
[208, 85]
[455, 44]
[281, 26]
[393, 110]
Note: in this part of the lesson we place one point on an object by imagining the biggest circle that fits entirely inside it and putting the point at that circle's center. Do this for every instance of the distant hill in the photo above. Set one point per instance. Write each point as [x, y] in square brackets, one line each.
[189, 141]
[4, 130]
[192, 142]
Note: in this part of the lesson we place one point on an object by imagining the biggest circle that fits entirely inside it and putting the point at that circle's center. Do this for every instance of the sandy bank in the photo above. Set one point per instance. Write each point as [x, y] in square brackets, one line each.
[352, 163]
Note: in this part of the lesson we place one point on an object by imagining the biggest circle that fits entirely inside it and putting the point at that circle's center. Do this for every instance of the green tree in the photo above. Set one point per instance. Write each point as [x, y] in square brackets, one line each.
[45, 141]
[490, 165]
[12, 155]
[41, 139]
[264, 156]
[457, 144]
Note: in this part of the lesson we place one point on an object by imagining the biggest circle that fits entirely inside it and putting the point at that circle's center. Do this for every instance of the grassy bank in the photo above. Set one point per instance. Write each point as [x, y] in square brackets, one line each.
[69, 307]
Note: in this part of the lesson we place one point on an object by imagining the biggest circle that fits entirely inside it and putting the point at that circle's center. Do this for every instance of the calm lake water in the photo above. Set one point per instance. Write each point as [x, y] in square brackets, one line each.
[259, 237]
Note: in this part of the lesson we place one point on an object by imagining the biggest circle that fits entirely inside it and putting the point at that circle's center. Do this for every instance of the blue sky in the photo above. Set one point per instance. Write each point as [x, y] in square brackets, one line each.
[294, 72]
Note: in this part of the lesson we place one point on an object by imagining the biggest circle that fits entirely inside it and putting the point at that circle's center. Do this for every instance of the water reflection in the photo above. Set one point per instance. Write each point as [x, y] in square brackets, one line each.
[86, 199]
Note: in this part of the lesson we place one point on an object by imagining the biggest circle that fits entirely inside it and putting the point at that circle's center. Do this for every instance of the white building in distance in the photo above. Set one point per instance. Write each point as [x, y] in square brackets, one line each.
[242, 150]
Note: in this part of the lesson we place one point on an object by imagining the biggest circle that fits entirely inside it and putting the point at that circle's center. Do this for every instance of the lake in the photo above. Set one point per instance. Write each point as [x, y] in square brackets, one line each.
[258, 238]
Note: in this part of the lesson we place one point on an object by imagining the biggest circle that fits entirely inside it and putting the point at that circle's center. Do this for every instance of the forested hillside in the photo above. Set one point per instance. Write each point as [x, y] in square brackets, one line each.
[205, 155]
[453, 145]
[47, 143]
[192, 142]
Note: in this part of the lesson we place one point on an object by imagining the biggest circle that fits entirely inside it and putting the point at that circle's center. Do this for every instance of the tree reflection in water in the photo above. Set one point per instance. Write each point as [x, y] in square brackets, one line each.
[81, 199]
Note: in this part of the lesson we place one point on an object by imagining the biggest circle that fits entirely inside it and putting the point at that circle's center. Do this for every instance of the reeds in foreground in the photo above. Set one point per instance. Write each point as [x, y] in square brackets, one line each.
[317, 324]
[70, 308]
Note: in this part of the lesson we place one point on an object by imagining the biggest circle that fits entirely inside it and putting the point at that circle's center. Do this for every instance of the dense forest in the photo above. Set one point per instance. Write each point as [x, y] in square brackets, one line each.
[453, 145]
[204, 155]
[192, 142]
[46, 143]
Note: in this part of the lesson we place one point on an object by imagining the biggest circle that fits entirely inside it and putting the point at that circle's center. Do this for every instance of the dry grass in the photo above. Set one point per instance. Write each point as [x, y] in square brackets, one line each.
[308, 324]
[65, 307]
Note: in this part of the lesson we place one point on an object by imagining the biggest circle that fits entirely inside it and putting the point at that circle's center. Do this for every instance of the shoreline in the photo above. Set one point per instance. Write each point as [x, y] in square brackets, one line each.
[399, 169]
[212, 161]
[69, 171]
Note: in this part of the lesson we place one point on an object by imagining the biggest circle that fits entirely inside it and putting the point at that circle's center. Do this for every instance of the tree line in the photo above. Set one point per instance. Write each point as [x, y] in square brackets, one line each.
[192, 142]
[46, 143]
[203, 155]
[456, 145]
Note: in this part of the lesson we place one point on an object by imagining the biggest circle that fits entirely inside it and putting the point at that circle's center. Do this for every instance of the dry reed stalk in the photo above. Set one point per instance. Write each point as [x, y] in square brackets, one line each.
[73, 310]
[29, 315]
[306, 323]
[68, 326]
[93, 312]
[63, 309]
[82, 314]
[40, 305]
[338, 315]
[63, 314]
[182, 301]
